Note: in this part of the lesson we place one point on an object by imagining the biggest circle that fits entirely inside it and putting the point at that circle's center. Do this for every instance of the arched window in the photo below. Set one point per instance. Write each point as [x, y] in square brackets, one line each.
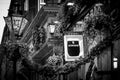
[26, 5]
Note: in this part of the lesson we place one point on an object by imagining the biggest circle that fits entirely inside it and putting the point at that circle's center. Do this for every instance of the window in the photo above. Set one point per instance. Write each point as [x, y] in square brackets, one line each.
[40, 4]
[59, 1]
[26, 7]
[115, 63]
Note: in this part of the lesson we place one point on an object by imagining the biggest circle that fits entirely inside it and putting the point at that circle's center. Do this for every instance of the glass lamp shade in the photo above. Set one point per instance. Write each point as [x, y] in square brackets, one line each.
[51, 28]
[16, 24]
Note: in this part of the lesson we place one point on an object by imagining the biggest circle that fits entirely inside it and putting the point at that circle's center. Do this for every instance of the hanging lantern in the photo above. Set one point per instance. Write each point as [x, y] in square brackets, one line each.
[15, 21]
[16, 24]
[51, 27]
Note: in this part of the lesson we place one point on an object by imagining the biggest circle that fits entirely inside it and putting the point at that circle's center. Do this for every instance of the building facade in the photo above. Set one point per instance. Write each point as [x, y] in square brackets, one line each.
[80, 48]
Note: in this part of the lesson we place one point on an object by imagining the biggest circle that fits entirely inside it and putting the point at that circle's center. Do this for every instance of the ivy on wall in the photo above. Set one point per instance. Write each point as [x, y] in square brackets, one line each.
[97, 33]
[98, 39]
[18, 49]
[39, 37]
[68, 15]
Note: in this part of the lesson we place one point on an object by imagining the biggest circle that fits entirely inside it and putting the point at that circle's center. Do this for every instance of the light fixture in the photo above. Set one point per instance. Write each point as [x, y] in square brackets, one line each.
[56, 22]
[115, 63]
[70, 3]
[43, 3]
[16, 23]
[51, 27]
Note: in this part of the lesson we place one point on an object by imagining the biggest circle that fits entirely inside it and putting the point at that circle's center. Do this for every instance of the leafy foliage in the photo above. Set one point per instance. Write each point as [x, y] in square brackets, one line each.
[16, 50]
[39, 37]
[96, 32]
[98, 28]
[68, 15]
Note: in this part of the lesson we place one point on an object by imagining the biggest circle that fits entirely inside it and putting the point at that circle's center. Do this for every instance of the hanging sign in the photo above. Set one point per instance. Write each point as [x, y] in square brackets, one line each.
[73, 46]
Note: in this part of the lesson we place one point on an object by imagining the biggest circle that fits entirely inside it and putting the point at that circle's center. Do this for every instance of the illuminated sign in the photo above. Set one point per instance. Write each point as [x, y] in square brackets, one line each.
[73, 46]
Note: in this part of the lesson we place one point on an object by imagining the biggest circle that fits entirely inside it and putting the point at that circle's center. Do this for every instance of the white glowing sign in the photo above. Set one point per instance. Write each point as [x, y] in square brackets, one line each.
[73, 46]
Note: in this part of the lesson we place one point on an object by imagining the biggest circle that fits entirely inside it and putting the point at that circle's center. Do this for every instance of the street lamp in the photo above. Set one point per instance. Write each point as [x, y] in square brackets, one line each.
[16, 23]
[51, 28]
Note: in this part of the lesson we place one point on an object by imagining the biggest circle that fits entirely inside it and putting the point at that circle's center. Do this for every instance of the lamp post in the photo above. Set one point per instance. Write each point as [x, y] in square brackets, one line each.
[15, 23]
[54, 34]
[56, 40]
[51, 29]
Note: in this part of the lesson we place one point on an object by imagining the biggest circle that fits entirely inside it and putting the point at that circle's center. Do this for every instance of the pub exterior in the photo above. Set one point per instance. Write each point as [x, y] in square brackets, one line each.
[66, 40]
